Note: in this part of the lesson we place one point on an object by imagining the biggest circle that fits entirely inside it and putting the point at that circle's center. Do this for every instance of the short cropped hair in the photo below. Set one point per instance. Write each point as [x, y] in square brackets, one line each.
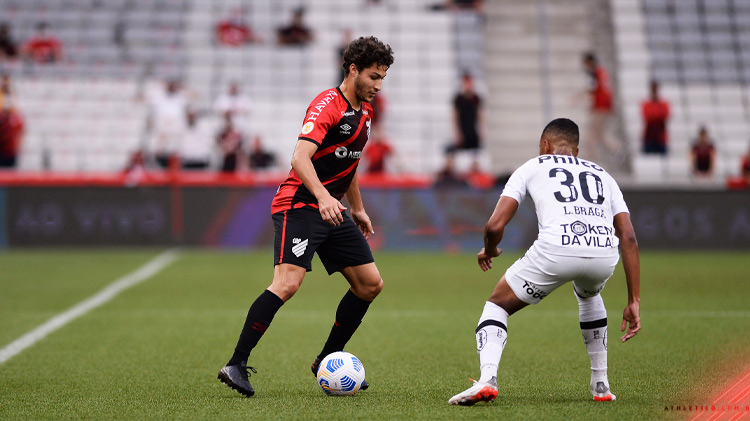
[363, 52]
[563, 129]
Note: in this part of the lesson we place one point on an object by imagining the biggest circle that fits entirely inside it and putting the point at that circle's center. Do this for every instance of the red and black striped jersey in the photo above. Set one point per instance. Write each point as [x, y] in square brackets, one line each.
[341, 133]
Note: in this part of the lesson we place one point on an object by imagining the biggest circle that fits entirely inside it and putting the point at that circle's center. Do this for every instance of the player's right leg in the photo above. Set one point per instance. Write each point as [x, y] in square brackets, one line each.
[491, 335]
[593, 321]
[286, 280]
[294, 245]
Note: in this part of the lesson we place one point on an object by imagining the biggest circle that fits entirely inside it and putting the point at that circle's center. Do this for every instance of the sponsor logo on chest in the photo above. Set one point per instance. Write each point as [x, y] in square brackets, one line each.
[342, 152]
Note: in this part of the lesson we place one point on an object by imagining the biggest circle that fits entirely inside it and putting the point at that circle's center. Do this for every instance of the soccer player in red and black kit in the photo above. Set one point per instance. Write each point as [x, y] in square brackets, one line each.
[308, 216]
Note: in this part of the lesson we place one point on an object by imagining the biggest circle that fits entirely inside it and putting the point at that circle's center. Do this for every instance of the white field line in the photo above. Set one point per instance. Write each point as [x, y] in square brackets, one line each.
[141, 274]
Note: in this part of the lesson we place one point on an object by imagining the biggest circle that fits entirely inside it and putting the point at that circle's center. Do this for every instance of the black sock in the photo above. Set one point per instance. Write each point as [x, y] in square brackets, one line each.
[258, 318]
[349, 315]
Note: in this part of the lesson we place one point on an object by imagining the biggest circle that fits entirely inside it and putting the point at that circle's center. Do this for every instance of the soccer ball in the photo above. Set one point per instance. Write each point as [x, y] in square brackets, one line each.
[341, 374]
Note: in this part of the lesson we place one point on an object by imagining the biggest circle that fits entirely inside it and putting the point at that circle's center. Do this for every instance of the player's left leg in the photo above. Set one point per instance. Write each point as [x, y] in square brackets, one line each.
[346, 251]
[592, 315]
[366, 284]
[593, 320]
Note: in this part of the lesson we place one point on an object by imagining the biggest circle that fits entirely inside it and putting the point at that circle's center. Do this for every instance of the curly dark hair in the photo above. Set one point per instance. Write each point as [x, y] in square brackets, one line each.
[363, 52]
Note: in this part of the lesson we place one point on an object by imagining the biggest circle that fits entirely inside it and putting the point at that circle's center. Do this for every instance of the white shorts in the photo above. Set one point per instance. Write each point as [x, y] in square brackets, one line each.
[535, 275]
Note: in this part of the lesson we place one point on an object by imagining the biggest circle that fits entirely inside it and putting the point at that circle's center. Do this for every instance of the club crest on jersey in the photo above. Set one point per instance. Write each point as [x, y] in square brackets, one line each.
[308, 127]
[342, 152]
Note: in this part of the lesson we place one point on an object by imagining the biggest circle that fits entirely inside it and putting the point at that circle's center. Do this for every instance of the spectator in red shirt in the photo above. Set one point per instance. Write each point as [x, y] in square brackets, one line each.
[703, 154]
[43, 48]
[378, 112]
[234, 31]
[11, 126]
[655, 112]
[376, 153]
[601, 112]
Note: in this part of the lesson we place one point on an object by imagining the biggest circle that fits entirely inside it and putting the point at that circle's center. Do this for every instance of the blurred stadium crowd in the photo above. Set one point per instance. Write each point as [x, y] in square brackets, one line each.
[222, 85]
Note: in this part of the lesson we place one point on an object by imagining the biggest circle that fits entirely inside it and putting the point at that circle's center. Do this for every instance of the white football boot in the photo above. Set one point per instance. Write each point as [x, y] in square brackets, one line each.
[479, 392]
[602, 393]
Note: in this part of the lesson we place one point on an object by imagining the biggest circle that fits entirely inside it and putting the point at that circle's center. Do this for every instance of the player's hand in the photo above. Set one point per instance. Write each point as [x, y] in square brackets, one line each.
[363, 222]
[330, 210]
[631, 318]
[484, 258]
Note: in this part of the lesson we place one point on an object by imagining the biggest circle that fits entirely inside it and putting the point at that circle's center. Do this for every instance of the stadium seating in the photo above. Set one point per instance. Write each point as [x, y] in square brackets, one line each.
[82, 113]
[88, 112]
[696, 49]
[534, 59]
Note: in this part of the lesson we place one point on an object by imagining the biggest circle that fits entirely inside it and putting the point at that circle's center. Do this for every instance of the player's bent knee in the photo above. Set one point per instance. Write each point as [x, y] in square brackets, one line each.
[504, 297]
[368, 291]
[377, 288]
[284, 291]
[285, 284]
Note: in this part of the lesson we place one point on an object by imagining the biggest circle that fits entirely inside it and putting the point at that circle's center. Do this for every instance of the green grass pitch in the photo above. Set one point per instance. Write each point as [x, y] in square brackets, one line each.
[154, 351]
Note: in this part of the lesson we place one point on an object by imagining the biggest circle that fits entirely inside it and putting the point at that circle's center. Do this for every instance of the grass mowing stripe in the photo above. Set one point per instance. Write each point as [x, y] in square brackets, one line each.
[141, 274]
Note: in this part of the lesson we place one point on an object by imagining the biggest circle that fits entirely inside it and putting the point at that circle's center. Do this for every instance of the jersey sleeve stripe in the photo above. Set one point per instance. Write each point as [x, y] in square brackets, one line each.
[309, 140]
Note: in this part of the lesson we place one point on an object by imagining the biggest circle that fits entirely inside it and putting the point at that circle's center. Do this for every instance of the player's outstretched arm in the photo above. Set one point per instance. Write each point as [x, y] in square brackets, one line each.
[330, 208]
[631, 316]
[493, 232]
[359, 216]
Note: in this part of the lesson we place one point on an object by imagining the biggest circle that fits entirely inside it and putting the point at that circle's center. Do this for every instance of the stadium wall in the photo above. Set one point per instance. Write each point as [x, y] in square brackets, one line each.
[416, 217]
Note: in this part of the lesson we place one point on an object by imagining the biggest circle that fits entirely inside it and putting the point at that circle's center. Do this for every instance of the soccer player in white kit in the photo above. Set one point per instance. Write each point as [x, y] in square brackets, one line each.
[582, 219]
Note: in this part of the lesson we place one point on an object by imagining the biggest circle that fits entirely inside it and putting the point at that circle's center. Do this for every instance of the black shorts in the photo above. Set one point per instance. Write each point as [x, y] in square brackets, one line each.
[302, 232]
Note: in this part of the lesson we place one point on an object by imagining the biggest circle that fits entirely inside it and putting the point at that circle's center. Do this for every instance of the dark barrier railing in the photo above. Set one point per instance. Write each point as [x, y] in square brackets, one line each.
[408, 214]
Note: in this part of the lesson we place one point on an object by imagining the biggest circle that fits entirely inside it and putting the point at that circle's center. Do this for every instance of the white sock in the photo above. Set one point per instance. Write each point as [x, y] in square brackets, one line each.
[492, 333]
[593, 318]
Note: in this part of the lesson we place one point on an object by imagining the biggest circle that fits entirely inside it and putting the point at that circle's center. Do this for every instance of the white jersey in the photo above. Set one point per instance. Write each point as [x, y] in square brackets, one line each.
[575, 201]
